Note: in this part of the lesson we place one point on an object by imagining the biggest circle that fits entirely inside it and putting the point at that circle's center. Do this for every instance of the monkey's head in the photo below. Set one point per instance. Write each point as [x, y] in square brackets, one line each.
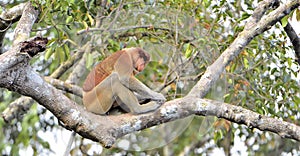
[140, 59]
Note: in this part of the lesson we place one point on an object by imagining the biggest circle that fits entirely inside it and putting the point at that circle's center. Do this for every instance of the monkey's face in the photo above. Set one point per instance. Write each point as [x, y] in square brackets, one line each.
[139, 57]
[139, 65]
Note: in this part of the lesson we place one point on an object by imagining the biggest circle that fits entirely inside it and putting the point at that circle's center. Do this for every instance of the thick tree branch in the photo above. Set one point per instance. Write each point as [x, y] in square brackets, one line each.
[23, 29]
[22, 32]
[295, 39]
[259, 12]
[29, 15]
[7, 18]
[17, 109]
[257, 26]
[23, 104]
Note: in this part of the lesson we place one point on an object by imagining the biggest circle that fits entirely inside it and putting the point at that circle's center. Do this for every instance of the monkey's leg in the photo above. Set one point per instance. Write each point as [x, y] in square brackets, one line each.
[128, 98]
[100, 99]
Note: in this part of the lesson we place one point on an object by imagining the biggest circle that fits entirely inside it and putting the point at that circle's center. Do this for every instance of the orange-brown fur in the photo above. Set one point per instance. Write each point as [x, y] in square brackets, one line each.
[101, 71]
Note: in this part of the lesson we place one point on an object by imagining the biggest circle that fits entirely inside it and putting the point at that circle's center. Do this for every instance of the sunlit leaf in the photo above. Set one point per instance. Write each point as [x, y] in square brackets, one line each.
[188, 51]
[284, 21]
[89, 60]
[246, 63]
[69, 19]
[90, 19]
[67, 51]
[48, 53]
[298, 14]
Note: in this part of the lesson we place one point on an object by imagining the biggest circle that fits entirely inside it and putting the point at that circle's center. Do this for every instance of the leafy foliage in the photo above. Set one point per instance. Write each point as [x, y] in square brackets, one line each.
[183, 38]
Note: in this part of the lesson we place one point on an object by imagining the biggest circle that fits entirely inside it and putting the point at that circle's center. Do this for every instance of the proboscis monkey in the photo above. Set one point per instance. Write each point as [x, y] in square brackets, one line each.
[112, 81]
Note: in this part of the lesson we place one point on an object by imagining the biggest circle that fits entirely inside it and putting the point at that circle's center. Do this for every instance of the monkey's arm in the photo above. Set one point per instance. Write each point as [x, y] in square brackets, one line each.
[143, 91]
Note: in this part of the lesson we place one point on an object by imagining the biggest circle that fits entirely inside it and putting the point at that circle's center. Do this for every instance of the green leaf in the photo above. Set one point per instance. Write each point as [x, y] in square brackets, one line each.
[228, 12]
[48, 53]
[297, 100]
[289, 61]
[90, 19]
[246, 63]
[227, 97]
[89, 60]
[67, 51]
[244, 16]
[207, 3]
[284, 21]
[59, 54]
[218, 135]
[233, 67]
[260, 111]
[298, 14]
[69, 19]
[188, 51]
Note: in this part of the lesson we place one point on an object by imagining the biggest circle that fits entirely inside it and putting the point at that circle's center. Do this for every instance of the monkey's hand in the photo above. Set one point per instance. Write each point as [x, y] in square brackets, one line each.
[159, 98]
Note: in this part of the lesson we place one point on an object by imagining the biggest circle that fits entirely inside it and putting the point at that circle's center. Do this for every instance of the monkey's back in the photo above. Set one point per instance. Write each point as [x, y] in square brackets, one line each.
[101, 71]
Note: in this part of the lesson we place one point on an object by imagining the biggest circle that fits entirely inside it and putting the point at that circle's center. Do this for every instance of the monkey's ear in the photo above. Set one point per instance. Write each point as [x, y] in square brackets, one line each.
[124, 65]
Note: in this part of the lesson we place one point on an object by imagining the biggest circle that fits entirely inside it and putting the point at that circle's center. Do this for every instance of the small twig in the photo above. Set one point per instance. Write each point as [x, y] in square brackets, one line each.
[5, 29]
[121, 29]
